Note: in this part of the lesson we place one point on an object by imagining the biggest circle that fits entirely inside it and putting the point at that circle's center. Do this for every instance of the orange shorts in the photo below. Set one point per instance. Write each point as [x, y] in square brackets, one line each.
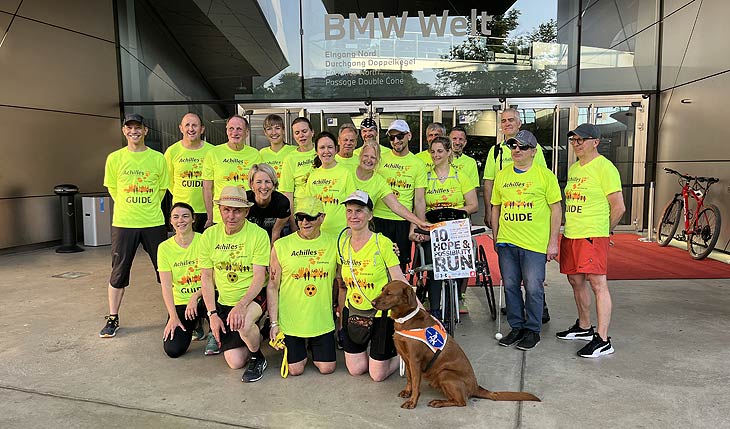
[584, 255]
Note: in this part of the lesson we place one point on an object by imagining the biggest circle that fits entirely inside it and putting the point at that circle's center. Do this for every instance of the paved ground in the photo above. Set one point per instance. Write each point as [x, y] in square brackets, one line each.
[670, 369]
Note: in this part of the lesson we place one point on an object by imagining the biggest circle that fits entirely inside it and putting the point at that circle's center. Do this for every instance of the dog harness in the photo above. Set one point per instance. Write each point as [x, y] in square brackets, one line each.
[434, 337]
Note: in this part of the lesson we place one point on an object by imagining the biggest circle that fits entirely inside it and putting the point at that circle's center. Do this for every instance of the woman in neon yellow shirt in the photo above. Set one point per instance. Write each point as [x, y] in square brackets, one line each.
[444, 189]
[376, 186]
[330, 182]
[177, 261]
[368, 263]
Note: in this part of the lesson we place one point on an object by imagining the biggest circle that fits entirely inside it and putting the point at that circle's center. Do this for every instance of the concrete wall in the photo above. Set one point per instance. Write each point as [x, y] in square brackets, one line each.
[59, 109]
[692, 136]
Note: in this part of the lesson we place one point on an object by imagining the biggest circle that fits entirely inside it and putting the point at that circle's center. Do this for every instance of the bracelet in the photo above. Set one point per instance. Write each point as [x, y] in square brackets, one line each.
[274, 323]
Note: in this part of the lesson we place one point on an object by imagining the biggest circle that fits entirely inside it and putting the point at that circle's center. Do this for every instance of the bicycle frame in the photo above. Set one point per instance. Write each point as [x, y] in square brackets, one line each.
[691, 221]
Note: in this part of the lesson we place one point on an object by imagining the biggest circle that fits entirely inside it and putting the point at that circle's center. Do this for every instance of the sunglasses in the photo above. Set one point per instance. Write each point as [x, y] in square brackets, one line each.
[301, 217]
[522, 147]
[399, 136]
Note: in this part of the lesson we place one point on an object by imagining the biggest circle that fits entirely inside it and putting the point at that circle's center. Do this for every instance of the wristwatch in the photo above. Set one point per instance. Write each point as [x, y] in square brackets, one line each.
[212, 312]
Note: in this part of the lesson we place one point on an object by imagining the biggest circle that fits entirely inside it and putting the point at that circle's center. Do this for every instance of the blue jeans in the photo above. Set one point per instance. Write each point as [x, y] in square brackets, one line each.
[523, 267]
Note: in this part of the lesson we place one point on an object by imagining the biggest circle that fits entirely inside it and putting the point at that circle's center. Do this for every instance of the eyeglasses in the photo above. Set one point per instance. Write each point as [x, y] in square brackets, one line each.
[399, 136]
[301, 217]
[522, 147]
[577, 141]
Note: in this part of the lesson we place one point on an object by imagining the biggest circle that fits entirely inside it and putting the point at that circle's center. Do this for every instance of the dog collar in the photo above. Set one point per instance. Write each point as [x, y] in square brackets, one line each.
[407, 317]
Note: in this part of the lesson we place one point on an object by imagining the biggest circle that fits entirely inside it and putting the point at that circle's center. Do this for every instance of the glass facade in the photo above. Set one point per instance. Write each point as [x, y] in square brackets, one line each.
[315, 50]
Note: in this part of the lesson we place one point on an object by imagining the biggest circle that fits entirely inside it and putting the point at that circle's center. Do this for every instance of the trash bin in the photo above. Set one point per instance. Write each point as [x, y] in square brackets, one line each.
[97, 220]
[68, 218]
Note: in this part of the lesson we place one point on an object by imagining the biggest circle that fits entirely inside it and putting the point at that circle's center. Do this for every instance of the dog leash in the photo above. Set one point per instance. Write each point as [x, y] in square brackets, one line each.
[278, 344]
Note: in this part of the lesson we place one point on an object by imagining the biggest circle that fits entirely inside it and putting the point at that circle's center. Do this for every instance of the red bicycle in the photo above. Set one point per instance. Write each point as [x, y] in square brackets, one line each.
[701, 227]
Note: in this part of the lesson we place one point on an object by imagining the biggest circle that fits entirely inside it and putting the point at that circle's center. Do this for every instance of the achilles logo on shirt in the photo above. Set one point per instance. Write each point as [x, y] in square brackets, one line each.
[226, 246]
[304, 162]
[304, 252]
[184, 263]
[324, 181]
[517, 185]
[135, 173]
[439, 191]
[393, 166]
[188, 159]
[234, 161]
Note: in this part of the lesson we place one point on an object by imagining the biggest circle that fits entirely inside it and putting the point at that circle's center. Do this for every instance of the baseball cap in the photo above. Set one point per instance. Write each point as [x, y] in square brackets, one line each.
[586, 131]
[233, 196]
[524, 138]
[368, 123]
[133, 117]
[399, 125]
[360, 197]
[309, 206]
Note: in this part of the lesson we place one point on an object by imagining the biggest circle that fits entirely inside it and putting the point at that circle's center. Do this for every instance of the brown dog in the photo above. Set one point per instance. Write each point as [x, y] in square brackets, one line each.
[449, 371]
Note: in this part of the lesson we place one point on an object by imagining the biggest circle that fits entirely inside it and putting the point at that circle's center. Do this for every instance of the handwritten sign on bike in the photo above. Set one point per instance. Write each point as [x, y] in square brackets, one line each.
[452, 250]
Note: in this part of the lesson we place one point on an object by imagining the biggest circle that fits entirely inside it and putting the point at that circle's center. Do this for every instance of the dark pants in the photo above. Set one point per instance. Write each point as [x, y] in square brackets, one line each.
[178, 345]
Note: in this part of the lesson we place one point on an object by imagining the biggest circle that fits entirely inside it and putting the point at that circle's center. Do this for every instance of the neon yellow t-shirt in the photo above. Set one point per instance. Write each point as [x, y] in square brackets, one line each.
[331, 186]
[376, 187]
[370, 267]
[137, 182]
[186, 174]
[182, 263]
[467, 167]
[295, 173]
[491, 166]
[232, 258]
[308, 268]
[450, 193]
[587, 212]
[425, 156]
[276, 159]
[228, 167]
[351, 163]
[404, 174]
[525, 200]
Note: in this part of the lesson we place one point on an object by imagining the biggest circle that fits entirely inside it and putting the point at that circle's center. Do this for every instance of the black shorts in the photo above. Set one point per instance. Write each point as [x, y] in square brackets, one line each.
[125, 242]
[382, 346]
[178, 345]
[232, 339]
[323, 348]
[397, 231]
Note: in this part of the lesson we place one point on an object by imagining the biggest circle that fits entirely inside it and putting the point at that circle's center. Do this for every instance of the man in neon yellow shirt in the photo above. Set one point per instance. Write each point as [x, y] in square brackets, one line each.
[233, 259]
[433, 130]
[277, 151]
[227, 165]
[137, 179]
[185, 164]
[500, 157]
[406, 175]
[463, 163]
[593, 207]
[299, 295]
[526, 216]
[298, 164]
[347, 139]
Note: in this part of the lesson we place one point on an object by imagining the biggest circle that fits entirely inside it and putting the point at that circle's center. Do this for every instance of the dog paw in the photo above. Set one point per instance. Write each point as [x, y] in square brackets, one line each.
[409, 405]
[436, 403]
[404, 394]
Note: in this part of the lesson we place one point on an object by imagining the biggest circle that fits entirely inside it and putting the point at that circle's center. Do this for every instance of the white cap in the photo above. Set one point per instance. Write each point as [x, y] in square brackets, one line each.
[399, 125]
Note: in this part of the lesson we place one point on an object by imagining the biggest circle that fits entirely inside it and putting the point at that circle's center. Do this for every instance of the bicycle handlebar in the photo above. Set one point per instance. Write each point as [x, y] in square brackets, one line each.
[701, 179]
[473, 231]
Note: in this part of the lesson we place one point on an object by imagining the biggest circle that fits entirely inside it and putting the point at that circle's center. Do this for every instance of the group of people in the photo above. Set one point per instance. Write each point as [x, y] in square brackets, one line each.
[310, 233]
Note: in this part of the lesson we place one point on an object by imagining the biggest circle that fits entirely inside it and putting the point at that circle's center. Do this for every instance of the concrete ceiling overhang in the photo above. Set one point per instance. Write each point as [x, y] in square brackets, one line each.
[229, 41]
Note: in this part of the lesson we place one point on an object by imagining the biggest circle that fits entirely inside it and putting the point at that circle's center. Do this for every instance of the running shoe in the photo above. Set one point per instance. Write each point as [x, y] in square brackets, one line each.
[212, 347]
[575, 332]
[255, 370]
[597, 347]
[110, 329]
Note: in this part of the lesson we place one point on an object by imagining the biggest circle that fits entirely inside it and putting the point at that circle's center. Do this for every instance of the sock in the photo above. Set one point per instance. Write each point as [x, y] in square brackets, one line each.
[257, 354]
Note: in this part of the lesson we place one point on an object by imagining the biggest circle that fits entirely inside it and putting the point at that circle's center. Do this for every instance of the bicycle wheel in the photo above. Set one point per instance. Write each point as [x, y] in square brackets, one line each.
[449, 314]
[670, 222]
[484, 279]
[706, 230]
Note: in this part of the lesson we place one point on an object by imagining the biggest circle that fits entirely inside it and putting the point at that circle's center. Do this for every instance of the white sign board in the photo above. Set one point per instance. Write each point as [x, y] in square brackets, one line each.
[452, 250]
